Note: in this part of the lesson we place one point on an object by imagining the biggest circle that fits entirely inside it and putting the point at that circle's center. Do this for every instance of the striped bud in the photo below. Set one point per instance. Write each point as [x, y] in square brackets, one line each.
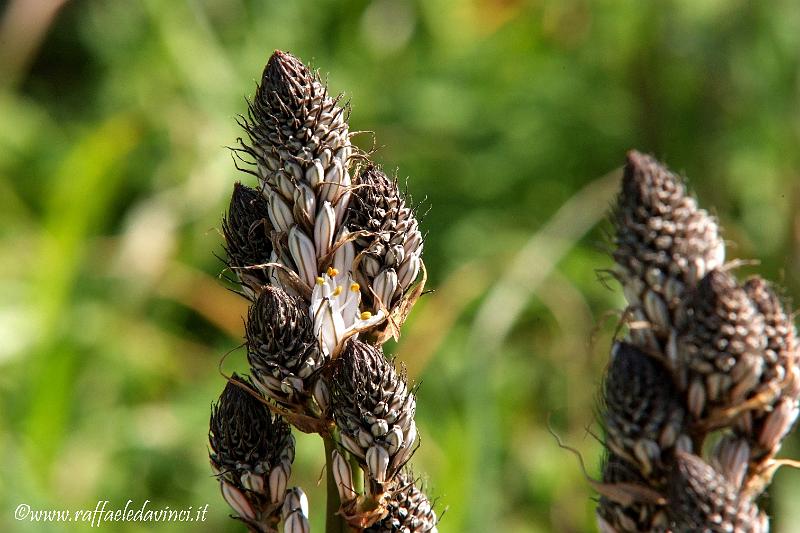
[343, 476]
[730, 458]
[247, 243]
[295, 512]
[249, 446]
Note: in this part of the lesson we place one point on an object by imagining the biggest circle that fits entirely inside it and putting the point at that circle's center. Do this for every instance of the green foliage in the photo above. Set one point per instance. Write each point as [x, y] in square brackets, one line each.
[114, 175]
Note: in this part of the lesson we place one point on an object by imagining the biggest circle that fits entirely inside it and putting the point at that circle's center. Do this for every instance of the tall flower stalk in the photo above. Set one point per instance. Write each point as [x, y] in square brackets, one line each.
[328, 252]
[704, 387]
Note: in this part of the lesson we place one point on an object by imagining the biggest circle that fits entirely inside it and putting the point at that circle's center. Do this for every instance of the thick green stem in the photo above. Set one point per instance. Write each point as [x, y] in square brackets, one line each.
[334, 523]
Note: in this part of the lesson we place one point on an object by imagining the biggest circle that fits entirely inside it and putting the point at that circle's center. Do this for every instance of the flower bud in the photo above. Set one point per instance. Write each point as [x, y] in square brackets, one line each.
[284, 355]
[248, 447]
[643, 415]
[722, 344]
[390, 245]
[702, 499]
[372, 406]
[664, 245]
[247, 243]
[408, 510]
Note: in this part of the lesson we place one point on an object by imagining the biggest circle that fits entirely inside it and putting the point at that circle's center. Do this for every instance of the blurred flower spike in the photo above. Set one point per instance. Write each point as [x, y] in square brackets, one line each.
[706, 359]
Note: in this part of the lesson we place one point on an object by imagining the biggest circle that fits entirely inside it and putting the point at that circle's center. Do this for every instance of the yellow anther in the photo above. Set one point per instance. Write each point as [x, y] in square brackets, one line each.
[337, 291]
[355, 287]
[365, 315]
[320, 280]
[332, 272]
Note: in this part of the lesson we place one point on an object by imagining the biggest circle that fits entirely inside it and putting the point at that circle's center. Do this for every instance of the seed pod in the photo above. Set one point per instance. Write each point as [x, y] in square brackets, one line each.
[246, 229]
[664, 243]
[300, 142]
[284, 356]
[248, 445]
[408, 510]
[722, 344]
[643, 414]
[374, 411]
[701, 499]
[613, 517]
[390, 245]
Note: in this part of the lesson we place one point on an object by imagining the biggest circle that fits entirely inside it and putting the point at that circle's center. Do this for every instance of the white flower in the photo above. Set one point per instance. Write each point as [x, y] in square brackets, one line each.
[335, 310]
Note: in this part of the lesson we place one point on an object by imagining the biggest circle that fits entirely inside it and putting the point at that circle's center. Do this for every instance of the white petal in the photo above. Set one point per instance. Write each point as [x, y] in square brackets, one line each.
[366, 323]
[350, 303]
[345, 254]
[328, 326]
[302, 250]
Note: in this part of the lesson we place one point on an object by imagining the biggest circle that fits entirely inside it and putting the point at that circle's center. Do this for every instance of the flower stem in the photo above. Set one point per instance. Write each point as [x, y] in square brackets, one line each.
[333, 522]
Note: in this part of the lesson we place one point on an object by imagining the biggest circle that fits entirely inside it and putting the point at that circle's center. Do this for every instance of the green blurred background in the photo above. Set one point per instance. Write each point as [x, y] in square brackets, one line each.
[509, 116]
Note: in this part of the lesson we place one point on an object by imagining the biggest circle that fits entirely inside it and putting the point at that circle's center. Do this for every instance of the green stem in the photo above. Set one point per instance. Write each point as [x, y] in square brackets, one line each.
[358, 476]
[334, 523]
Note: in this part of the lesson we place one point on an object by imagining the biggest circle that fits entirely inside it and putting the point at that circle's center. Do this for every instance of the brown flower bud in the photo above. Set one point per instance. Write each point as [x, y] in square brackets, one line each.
[284, 356]
[390, 245]
[408, 510]
[664, 245]
[374, 411]
[251, 453]
[643, 415]
[701, 499]
[722, 344]
[247, 243]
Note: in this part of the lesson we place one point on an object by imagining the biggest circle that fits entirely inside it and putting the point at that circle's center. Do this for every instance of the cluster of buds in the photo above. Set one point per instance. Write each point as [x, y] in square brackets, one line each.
[328, 252]
[707, 358]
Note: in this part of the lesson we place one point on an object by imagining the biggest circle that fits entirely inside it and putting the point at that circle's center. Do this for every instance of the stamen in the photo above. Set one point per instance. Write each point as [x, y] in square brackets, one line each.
[366, 314]
[355, 287]
[337, 291]
[332, 272]
[321, 280]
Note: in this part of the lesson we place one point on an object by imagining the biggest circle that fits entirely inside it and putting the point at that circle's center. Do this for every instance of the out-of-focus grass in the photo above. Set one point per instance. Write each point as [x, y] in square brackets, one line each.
[114, 174]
